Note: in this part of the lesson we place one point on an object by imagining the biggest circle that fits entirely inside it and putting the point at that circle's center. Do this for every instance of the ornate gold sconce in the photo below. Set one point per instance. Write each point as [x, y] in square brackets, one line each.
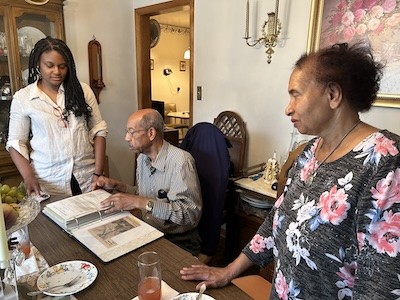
[270, 31]
[95, 68]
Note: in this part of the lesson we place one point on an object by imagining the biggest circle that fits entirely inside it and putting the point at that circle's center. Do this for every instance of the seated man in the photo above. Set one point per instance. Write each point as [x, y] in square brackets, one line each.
[168, 189]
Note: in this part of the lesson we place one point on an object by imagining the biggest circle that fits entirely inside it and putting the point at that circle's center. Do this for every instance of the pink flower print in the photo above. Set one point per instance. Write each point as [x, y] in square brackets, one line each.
[279, 201]
[373, 24]
[389, 5]
[257, 244]
[281, 286]
[357, 5]
[361, 240]
[359, 14]
[387, 190]
[348, 33]
[342, 5]
[309, 167]
[333, 38]
[393, 20]
[376, 12]
[336, 19]
[385, 235]
[347, 273]
[275, 222]
[383, 146]
[348, 18]
[333, 206]
[361, 29]
[368, 4]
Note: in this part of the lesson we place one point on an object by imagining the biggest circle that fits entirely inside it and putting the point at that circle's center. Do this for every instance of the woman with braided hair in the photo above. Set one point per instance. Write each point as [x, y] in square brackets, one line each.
[56, 133]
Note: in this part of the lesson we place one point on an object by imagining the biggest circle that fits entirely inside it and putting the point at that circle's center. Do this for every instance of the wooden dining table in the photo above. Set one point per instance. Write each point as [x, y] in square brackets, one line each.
[118, 279]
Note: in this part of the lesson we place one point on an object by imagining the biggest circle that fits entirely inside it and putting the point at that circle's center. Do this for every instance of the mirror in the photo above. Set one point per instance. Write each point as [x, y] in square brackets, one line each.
[95, 68]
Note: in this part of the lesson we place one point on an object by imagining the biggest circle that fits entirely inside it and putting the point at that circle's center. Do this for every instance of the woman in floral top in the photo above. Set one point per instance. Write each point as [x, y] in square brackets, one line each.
[334, 233]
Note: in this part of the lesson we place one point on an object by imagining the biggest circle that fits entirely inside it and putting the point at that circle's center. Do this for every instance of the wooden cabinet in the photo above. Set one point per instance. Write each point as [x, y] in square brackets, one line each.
[21, 26]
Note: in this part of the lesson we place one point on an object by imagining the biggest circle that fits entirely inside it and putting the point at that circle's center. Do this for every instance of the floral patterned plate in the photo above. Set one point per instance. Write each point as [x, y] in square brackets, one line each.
[192, 296]
[65, 272]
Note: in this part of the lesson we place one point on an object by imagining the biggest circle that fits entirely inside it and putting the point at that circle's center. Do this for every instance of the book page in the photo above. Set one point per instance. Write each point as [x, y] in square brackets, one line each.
[77, 206]
[116, 235]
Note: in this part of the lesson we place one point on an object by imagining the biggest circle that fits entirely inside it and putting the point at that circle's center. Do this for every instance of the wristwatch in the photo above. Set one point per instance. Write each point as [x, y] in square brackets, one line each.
[149, 206]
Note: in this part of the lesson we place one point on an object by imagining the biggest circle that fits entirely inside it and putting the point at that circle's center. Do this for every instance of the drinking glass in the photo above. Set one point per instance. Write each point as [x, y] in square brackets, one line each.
[149, 287]
[24, 244]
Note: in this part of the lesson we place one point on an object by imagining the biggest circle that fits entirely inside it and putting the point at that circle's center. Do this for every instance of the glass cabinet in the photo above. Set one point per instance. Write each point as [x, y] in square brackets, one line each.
[21, 26]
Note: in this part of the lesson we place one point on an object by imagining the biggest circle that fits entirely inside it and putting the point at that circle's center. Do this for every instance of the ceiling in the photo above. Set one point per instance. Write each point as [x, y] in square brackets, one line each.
[179, 18]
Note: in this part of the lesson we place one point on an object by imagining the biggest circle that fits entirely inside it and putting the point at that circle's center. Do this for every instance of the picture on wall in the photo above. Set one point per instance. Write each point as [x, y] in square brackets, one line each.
[182, 65]
[376, 23]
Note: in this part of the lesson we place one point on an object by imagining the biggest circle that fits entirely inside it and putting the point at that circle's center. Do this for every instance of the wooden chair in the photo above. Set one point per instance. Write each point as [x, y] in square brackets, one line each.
[233, 127]
[255, 286]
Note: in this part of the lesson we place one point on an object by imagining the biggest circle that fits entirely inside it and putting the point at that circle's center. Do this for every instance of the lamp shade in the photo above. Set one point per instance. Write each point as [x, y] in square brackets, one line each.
[186, 55]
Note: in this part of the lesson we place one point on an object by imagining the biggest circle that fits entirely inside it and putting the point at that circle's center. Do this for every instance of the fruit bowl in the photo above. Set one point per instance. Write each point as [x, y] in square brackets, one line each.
[28, 210]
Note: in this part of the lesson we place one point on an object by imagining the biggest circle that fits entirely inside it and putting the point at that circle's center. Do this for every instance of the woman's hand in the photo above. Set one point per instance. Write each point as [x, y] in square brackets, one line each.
[32, 185]
[105, 183]
[210, 276]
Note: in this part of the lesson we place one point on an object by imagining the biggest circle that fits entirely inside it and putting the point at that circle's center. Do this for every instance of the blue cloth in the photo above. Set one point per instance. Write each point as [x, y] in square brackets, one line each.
[209, 147]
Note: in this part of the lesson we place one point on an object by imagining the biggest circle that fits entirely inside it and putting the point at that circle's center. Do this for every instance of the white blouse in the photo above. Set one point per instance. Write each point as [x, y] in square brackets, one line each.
[55, 151]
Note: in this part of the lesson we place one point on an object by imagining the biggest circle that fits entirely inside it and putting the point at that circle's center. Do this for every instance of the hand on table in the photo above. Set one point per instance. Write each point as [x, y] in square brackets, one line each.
[210, 276]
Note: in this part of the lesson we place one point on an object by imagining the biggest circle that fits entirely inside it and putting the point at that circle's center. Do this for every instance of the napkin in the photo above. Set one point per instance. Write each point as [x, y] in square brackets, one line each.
[167, 292]
[28, 266]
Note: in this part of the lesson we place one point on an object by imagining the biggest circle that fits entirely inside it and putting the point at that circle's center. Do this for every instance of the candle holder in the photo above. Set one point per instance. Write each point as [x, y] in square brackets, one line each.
[8, 279]
[270, 31]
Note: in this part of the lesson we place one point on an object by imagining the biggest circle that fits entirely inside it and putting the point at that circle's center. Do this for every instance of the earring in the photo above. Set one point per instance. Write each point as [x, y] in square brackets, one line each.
[38, 72]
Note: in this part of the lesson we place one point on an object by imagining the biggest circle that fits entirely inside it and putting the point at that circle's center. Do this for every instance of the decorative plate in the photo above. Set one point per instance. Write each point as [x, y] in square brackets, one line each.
[28, 210]
[257, 203]
[32, 33]
[64, 272]
[192, 296]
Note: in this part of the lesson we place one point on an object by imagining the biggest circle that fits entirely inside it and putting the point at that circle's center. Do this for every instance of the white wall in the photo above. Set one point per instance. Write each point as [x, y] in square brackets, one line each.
[111, 22]
[233, 75]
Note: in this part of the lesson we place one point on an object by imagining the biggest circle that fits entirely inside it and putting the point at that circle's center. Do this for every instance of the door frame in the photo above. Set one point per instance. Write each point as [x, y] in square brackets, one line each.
[142, 33]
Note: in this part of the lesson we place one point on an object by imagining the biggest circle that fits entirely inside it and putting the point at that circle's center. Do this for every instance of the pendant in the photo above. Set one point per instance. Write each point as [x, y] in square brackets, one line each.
[310, 178]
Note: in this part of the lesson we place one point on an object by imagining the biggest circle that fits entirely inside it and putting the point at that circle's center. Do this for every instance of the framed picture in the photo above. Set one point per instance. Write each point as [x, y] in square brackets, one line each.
[151, 64]
[182, 65]
[376, 23]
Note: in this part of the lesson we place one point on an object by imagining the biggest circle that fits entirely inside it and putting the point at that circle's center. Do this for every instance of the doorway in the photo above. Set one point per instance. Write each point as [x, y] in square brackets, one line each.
[143, 41]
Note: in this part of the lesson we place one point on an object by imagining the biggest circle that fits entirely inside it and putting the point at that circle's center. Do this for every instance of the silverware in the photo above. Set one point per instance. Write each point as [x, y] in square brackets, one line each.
[202, 290]
[67, 284]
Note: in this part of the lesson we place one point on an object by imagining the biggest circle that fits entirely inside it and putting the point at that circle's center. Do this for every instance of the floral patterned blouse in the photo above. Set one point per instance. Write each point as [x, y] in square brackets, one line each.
[336, 235]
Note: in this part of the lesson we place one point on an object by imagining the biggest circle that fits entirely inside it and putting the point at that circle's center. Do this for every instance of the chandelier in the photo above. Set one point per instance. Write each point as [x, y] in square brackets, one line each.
[270, 32]
[37, 2]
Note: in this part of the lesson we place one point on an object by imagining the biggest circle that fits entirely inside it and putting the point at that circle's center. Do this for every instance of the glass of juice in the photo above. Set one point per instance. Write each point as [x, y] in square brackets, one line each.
[149, 287]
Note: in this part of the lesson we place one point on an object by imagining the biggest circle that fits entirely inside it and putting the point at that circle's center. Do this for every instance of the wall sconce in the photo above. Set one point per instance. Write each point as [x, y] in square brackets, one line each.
[270, 31]
[95, 68]
[186, 54]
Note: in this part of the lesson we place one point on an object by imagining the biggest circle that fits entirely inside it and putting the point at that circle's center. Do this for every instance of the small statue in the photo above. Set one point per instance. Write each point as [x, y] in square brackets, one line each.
[271, 170]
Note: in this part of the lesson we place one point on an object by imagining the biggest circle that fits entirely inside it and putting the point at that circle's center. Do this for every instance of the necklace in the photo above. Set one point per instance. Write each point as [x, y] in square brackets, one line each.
[313, 173]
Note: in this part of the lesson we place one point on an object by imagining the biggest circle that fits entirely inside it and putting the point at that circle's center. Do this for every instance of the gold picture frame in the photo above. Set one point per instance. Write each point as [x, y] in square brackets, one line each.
[322, 10]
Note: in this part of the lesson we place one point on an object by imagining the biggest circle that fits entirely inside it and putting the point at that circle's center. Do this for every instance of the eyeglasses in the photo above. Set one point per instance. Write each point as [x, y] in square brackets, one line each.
[62, 116]
[131, 131]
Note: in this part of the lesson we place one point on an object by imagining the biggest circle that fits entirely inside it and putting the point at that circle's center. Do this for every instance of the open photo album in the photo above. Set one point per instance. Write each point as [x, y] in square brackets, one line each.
[107, 235]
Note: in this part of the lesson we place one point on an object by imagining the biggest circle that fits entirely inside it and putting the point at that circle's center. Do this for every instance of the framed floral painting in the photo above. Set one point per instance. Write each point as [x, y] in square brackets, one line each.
[375, 22]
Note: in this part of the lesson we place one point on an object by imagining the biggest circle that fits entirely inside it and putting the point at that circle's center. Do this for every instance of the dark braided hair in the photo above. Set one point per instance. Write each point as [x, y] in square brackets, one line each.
[74, 98]
[352, 67]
